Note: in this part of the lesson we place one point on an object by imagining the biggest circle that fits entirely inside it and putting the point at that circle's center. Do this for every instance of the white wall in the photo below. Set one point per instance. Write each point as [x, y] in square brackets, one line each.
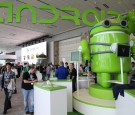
[66, 46]
[2, 62]
[18, 54]
[68, 41]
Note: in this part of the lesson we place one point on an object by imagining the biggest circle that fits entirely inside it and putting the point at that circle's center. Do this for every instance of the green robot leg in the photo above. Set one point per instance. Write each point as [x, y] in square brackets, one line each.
[102, 79]
[125, 78]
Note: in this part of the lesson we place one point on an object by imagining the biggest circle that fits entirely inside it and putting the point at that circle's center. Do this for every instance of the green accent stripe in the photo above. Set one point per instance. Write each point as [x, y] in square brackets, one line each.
[131, 92]
[50, 88]
[74, 113]
[61, 80]
[97, 91]
[113, 107]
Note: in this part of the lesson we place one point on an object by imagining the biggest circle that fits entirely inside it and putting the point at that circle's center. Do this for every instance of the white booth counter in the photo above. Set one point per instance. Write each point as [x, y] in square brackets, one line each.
[84, 81]
[50, 100]
[126, 105]
[68, 84]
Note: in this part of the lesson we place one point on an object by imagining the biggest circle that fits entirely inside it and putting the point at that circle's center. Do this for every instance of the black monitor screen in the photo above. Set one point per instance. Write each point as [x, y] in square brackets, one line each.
[123, 51]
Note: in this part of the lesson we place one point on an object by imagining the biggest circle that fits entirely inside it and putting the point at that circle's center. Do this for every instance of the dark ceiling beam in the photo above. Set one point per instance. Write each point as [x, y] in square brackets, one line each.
[35, 41]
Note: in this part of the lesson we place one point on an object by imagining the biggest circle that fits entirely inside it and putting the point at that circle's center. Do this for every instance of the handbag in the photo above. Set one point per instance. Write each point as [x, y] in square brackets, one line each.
[11, 85]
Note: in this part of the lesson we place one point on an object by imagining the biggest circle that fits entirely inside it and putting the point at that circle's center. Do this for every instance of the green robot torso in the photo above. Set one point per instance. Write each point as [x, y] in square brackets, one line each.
[103, 35]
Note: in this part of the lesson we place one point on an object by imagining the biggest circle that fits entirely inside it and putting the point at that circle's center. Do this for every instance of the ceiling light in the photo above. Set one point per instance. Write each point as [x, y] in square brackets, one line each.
[49, 26]
[99, 9]
[12, 34]
[105, 5]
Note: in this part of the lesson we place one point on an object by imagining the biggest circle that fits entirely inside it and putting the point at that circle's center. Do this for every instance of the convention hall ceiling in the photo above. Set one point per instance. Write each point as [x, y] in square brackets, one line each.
[12, 34]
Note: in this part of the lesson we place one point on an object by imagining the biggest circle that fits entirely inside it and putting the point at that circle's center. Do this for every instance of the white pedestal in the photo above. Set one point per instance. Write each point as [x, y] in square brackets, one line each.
[125, 105]
[83, 82]
[68, 84]
[50, 101]
[89, 105]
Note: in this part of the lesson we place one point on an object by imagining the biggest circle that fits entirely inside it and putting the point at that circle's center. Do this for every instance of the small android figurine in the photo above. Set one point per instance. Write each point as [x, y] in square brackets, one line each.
[103, 60]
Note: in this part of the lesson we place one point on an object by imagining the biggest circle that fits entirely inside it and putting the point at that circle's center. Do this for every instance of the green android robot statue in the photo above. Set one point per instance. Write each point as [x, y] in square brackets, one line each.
[103, 60]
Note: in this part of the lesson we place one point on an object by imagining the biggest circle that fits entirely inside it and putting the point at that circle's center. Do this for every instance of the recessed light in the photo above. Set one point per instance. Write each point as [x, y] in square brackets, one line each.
[99, 9]
[105, 5]
[12, 34]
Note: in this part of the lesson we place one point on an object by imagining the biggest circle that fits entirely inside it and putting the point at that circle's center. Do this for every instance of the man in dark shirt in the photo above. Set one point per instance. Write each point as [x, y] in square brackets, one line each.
[27, 89]
[66, 65]
[73, 75]
[61, 72]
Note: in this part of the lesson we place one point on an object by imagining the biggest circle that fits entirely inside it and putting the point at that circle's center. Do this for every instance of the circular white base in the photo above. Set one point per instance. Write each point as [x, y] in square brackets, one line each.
[88, 105]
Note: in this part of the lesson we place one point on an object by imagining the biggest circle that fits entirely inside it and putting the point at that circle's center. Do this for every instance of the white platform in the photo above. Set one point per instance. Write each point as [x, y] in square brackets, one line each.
[125, 105]
[88, 105]
[85, 81]
[68, 84]
[50, 102]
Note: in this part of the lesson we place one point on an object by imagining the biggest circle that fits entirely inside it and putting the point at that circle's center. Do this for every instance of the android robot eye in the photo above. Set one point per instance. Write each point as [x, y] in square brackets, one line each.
[106, 23]
[124, 23]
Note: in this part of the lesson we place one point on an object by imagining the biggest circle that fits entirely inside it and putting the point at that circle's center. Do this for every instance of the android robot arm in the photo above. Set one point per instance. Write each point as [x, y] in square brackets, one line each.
[130, 17]
[131, 25]
[133, 49]
[85, 50]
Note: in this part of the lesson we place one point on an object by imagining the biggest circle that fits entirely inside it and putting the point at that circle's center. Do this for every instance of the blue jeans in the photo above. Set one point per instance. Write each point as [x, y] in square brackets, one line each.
[43, 76]
[28, 95]
[48, 76]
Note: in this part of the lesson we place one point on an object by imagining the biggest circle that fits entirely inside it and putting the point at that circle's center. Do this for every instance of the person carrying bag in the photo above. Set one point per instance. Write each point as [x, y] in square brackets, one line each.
[11, 87]
[8, 84]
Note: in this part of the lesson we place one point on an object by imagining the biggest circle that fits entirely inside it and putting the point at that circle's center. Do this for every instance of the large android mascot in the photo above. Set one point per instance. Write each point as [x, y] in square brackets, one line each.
[103, 60]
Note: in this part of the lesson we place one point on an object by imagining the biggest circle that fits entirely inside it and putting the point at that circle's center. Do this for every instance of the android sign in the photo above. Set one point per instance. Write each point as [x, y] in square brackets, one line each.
[104, 60]
[56, 15]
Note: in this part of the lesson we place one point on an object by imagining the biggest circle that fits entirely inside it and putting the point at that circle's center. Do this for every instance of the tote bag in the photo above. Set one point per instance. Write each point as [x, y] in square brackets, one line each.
[11, 85]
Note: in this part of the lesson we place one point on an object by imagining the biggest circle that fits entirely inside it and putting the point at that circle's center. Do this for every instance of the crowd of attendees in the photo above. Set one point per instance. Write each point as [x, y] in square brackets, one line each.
[33, 73]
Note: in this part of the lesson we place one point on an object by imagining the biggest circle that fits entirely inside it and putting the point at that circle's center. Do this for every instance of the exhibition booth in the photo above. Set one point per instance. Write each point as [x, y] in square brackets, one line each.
[97, 38]
[109, 51]
[57, 99]
[34, 54]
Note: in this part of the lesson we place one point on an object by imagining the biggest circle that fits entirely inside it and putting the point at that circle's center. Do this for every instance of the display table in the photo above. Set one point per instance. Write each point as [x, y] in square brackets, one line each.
[50, 100]
[84, 81]
[68, 84]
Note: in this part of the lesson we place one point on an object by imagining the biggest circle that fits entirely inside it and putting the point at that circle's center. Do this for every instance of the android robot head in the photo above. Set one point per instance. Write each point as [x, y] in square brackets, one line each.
[103, 57]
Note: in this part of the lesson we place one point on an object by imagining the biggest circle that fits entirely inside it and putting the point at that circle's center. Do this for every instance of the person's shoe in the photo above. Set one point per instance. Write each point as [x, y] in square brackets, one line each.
[31, 113]
[5, 112]
[15, 92]
[9, 107]
[27, 112]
